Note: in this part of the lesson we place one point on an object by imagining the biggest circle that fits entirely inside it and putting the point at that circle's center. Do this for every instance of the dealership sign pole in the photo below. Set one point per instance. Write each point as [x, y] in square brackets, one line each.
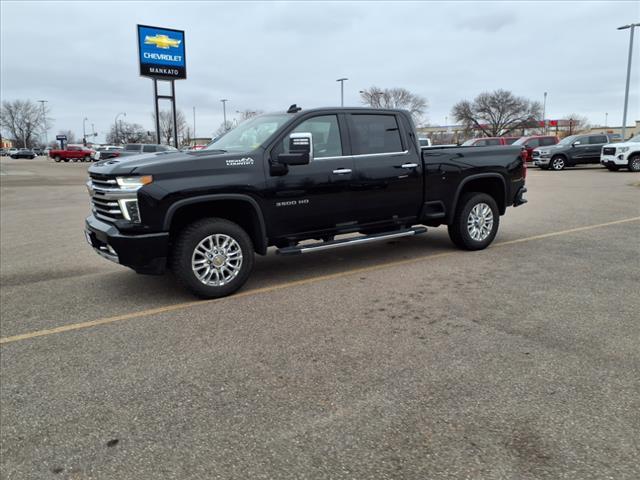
[161, 54]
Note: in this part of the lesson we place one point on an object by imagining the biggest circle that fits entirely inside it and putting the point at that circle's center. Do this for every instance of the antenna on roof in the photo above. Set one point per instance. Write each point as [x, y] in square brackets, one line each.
[294, 109]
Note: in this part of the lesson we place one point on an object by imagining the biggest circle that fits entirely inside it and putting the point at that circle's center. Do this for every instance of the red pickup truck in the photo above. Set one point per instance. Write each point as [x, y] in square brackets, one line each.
[72, 152]
[489, 141]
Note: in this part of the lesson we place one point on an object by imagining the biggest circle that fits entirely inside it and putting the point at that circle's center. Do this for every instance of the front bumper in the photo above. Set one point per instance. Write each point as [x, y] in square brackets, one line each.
[541, 161]
[610, 160]
[145, 253]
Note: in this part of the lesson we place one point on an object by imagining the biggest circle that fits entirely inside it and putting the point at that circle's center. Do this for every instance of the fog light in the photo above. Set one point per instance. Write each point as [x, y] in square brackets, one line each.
[130, 210]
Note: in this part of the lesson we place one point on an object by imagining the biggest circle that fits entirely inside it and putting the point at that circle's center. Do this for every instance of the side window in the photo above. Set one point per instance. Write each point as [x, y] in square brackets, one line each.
[583, 140]
[480, 143]
[597, 139]
[326, 136]
[149, 148]
[493, 141]
[375, 134]
[547, 141]
[533, 143]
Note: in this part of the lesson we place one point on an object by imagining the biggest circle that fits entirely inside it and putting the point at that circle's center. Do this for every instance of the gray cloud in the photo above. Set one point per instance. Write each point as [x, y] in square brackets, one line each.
[81, 56]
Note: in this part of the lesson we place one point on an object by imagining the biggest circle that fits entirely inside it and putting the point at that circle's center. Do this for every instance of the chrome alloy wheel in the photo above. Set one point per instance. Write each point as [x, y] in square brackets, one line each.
[216, 260]
[480, 222]
[557, 163]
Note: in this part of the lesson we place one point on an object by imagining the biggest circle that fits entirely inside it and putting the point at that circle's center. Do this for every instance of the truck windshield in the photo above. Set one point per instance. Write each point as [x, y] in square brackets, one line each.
[635, 139]
[250, 134]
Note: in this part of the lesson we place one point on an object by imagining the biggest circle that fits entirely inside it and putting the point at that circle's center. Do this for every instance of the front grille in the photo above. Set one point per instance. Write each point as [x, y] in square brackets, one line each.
[609, 151]
[105, 192]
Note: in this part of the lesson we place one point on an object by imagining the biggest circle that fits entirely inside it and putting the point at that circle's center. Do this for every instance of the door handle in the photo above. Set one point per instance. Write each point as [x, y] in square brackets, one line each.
[409, 165]
[342, 171]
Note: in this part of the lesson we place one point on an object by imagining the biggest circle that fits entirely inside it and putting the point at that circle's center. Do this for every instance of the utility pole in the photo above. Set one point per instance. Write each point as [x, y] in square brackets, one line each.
[544, 114]
[44, 121]
[342, 80]
[626, 90]
[194, 124]
[116, 126]
[606, 119]
[93, 132]
[84, 131]
[224, 113]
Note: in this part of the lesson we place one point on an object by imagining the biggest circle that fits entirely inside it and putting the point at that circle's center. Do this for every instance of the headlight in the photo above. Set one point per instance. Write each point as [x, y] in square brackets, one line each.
[623, 149]
[134, 183]
[543, 153]
[129, 208]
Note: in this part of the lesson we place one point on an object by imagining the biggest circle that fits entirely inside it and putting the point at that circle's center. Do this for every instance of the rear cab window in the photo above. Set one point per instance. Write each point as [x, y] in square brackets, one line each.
[375, 133]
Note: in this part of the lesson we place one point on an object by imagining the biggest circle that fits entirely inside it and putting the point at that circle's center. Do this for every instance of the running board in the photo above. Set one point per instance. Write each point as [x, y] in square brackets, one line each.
[316, 247]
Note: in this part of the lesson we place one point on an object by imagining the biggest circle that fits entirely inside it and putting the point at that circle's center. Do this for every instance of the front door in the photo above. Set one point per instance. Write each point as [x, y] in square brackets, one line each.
[314, 197]
[388, 183]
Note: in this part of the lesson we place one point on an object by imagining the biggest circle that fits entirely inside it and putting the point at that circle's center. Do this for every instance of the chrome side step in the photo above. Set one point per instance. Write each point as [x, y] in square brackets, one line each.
[316, 247]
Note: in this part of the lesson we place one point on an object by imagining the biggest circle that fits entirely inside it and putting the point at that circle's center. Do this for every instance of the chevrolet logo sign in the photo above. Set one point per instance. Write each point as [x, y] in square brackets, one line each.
[161, 41]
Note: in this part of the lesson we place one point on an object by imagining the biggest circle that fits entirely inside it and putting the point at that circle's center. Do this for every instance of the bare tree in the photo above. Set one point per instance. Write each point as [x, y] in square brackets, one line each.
[125, 132]
[23, 121]
[497, 113]
[576, 123]
[247, 114]
[396, 98]
[166, 124]
[224, 128]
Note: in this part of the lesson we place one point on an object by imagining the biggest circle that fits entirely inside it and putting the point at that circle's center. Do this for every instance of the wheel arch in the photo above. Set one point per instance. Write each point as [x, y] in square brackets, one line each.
[492, 184]
[241, 209]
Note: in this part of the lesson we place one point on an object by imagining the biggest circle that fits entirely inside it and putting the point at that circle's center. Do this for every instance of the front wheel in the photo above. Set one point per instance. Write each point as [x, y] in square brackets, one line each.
[558, 163]
[634, 163]
[476, 222]
[57, 158]
[212, 257]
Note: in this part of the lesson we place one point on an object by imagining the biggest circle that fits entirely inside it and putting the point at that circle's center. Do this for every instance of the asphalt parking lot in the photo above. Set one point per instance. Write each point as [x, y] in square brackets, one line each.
[407, 359]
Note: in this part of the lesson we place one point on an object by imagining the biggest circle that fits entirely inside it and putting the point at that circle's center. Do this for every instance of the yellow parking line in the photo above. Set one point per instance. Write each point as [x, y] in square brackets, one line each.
[255, 291]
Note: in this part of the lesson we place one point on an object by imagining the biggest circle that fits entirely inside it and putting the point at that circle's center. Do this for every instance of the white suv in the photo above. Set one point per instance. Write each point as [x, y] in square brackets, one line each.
[624, 154]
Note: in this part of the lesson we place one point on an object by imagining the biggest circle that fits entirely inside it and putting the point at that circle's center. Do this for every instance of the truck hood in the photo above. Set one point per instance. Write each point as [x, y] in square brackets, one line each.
[623, 144]
[158, 163]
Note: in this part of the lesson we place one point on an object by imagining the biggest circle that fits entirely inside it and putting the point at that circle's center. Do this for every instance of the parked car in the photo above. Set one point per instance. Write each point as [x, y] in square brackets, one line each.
[489, 141]
[72, 152]
[38, 151]
[24, 153]
[571, 151]
[12, 151]
[3, 152]
[532, 142]
[106, 151]
[279, 179]
[424, 142]
[138, 148]
[622, 155]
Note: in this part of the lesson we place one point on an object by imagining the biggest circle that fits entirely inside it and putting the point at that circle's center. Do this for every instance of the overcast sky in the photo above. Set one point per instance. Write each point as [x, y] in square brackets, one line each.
[81, 56]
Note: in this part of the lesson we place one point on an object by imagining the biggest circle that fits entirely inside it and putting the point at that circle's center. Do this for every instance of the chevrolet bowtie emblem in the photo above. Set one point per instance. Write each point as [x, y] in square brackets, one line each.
[161, 41]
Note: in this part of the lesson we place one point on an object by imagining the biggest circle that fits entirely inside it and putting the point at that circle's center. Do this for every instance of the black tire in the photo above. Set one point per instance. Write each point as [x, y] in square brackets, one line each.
[634, 163]
[458, 229]
[87, 159]
[187, 241]
[558, 163]
[57, 158]
[66, 160]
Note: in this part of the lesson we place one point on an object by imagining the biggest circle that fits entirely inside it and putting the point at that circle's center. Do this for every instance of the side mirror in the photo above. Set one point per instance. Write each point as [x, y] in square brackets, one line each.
[300, 150]
[577, 142]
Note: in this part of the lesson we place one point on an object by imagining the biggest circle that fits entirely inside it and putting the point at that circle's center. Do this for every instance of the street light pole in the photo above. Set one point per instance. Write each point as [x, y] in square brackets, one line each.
[544, 114]
[84, 131]
[342, 80]
[116, 126]
[194, 123]
[224, 113]
[44, 121]
[606, 119]
[626, 90]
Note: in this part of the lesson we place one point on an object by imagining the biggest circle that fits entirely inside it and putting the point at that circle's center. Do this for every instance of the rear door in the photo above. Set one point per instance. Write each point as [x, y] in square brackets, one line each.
[388, 180]
[596, 142]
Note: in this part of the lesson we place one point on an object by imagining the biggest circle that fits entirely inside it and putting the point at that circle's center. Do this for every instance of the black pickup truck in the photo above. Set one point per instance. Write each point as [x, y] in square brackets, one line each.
[284, 178]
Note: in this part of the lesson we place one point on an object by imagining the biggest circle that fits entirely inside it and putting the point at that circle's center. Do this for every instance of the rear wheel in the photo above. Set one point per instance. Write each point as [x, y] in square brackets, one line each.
[212, 257]
[476, 222]
[634, 163]
[57, 158]
[558, 163]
